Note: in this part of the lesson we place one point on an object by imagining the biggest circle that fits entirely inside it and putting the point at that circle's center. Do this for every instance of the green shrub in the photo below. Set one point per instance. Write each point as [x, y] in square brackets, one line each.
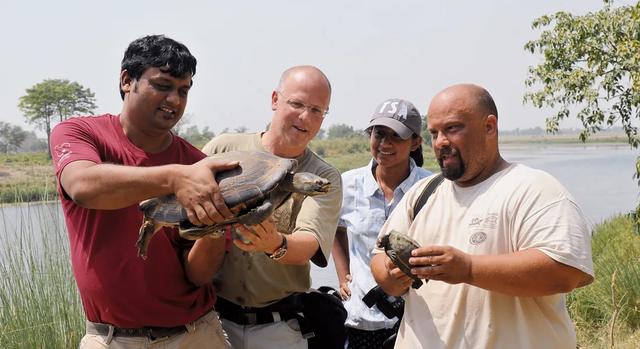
[41, 158]
[610, 306]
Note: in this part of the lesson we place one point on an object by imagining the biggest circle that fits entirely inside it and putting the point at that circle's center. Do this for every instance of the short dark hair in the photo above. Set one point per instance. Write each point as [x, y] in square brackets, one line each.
[416, 155]
[157, 51]
[486, 102]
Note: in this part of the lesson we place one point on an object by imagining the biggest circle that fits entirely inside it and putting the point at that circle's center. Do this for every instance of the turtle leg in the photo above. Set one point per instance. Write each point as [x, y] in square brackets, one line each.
[147, 230]
[193, 232]
[417, 282]
[257, 215]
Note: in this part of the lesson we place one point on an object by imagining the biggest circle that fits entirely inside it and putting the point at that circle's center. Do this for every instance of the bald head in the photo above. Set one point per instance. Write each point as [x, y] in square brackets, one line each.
[462, 121]
[303, 72]
[471, 97]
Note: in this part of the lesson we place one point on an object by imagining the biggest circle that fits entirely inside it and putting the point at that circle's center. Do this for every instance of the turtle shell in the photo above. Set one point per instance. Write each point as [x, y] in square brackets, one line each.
[398, 247]
[242, 188]
[256, 176]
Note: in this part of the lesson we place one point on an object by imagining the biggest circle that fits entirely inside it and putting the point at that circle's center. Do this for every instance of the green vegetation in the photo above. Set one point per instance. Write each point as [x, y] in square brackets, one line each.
[26, 177]
[607, 312]
[39, 302]
[11, 137]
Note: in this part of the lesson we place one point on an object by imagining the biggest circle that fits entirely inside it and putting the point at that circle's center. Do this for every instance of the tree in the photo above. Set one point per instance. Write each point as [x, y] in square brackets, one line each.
[179, 127]
[241, 129]
[195, 137]
[32, 143]
[341, 131]
[11, 137]
[426, 136]
[55, 98]
[590, 66]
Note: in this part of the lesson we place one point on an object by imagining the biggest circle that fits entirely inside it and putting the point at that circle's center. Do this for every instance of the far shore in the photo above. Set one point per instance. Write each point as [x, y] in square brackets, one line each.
[573, 138]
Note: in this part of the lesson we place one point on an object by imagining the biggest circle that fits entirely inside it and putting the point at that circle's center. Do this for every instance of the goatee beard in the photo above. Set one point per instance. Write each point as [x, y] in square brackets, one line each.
[451, 173]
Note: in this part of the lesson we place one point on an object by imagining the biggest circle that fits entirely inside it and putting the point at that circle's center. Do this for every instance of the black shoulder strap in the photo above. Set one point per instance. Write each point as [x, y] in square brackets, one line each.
[426, 193]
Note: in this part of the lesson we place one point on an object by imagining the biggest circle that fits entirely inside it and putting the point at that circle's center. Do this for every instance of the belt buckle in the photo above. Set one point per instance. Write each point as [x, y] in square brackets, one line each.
[251, 318]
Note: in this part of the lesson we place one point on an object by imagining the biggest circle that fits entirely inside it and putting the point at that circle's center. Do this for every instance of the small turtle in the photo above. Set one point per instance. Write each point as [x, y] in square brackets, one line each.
[398, 247]
[261, 185]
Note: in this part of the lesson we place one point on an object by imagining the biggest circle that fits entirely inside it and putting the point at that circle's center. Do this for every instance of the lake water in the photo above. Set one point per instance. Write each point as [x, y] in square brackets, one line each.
[600, 177]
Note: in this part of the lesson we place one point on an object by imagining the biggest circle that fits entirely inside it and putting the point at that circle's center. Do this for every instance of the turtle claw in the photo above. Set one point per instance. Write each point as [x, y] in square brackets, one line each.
[147, 230]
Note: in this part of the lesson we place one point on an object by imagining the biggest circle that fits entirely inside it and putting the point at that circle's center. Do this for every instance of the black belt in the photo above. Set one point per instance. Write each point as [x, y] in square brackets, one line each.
[281, 311]
[150, 332]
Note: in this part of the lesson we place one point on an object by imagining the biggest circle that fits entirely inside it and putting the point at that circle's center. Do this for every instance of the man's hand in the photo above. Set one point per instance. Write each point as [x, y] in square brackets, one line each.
[262, 237]
[443, 263]
[399, 278]
[196, 189]
[345, 291]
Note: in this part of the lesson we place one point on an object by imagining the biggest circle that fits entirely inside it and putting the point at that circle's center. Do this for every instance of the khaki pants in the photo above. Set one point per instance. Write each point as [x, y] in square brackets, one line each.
[275, 335]
[206, 332]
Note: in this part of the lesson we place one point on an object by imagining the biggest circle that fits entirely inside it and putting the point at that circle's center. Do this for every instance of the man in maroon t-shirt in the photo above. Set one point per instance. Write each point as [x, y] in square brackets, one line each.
[105, 166]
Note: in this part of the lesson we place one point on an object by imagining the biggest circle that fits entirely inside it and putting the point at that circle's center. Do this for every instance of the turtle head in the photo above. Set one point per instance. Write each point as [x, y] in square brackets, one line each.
[309, 184]
[383, 242]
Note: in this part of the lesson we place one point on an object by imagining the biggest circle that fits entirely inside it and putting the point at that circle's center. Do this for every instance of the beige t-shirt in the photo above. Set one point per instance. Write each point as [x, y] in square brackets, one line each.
[251, 278]
[517, 208]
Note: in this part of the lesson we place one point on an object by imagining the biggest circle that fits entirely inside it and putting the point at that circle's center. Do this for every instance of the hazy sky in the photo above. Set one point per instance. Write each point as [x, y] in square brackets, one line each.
[370, 50]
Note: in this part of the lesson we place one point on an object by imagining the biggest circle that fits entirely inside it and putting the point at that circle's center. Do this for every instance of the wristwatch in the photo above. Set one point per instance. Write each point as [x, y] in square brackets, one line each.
[280, 251]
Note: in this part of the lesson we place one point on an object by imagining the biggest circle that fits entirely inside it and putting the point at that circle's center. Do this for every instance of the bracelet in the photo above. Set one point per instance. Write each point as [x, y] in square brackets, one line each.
[280, 251]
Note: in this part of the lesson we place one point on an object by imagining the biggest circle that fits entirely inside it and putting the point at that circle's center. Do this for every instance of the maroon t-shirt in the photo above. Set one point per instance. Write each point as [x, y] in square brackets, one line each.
[116, 286]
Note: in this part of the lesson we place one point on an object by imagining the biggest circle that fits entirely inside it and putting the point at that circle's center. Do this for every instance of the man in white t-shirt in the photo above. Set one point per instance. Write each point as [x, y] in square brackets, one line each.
[501, 243]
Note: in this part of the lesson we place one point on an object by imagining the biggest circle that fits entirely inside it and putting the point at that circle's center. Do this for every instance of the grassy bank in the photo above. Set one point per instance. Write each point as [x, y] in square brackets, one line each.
[26, 177]
[607, 312]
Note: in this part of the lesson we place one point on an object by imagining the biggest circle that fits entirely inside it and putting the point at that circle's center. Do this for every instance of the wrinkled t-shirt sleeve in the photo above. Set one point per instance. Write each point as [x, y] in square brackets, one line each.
[559, 230]
[548, 219]
[72, 141]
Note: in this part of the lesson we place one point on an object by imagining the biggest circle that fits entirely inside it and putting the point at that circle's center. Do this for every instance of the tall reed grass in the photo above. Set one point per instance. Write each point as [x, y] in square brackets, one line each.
[607, 312]
[39, 302]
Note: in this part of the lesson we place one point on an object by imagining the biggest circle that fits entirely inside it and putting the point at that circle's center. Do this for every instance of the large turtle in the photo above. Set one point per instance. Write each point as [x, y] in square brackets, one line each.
[261, 185]
[398, 247]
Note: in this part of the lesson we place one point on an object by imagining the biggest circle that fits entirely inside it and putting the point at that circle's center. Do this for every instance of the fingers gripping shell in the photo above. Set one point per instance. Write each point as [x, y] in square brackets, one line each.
[398, 247]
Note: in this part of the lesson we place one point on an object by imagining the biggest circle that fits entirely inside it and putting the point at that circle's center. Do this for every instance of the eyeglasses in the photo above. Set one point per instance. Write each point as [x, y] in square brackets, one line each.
[379, 135]
[300, 107]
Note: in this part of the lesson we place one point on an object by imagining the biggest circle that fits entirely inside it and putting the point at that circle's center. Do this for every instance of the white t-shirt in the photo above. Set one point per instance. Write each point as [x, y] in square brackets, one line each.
[517, 208]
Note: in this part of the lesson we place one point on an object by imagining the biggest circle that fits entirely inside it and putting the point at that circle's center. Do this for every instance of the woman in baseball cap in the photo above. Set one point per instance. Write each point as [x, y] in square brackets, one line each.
[370, 193]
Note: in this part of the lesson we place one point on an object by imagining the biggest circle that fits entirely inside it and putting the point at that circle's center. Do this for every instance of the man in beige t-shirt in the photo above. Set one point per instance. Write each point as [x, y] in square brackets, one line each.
[258, 277]
[500, 243]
